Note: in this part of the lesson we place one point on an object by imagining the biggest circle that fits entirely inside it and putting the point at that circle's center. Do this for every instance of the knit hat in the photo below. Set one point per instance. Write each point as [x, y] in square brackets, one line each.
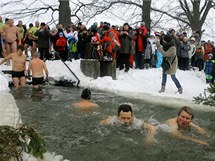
[192, 39]
[60, 33]
[142, 24]
[167, 38]
[210, 55]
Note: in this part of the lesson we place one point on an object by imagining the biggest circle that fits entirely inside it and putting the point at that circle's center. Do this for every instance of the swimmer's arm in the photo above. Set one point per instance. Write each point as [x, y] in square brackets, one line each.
[106, 121]
[199, 130]
[179, 135]
[6, 58]
[150, 128]
[150, 135]
[46, 71]
[26, 71]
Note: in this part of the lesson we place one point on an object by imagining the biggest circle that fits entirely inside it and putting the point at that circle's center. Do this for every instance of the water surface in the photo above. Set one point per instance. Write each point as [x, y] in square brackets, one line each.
[78, 136]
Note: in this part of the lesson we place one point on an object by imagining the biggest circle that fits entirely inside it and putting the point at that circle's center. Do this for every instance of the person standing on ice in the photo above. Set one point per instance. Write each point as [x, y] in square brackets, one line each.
[169, 51]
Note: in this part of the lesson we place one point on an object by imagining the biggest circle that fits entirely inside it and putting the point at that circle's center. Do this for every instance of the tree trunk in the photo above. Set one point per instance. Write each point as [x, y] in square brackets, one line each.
[146, 9]
[64, 13]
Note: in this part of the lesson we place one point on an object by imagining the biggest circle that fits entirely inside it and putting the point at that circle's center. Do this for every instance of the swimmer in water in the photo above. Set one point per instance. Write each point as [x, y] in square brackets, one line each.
[184, 122]
[85, 102]
[125, 116]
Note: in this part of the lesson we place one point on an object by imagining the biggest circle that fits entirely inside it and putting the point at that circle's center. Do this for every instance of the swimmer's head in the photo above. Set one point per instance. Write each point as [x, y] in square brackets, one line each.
[125, 114]
[185, 116]
[37, 54]
[86, 94]
[186, 109]
[20, 49]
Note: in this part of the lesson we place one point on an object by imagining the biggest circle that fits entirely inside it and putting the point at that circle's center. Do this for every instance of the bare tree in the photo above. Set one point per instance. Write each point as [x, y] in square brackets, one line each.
[78, 10]
[192, 13]
[64, 12]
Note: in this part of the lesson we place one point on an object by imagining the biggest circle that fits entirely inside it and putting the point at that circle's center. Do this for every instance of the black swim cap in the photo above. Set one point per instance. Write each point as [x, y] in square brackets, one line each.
[86, 94]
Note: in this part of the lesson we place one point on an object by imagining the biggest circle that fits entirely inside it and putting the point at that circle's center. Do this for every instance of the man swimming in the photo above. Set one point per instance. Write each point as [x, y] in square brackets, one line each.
[125, 116]
[18, 66]
[184, 122]
[37, 66]
[85, 102]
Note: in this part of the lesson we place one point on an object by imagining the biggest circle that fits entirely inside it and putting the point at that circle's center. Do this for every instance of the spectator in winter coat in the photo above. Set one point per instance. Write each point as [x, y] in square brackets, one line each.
[125, 38]
[111, 40]
[141, 42]
[192, 51]
[147, 54]
[169, 51]
[43, 35]
[95, 40]
[208, 68]
[199, 57]
[183, 57]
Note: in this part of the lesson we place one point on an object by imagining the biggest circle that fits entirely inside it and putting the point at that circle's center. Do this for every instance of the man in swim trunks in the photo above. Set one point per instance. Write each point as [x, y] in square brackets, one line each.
[184, 122]
[37, 66]
[18, 66]
[11, 34]
[85, 102]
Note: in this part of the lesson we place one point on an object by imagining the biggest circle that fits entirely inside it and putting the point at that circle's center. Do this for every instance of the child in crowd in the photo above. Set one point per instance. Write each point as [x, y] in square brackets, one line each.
[208, 68]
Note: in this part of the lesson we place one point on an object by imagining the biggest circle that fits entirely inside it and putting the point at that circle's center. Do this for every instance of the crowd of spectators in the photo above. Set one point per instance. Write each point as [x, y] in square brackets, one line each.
[130, 47]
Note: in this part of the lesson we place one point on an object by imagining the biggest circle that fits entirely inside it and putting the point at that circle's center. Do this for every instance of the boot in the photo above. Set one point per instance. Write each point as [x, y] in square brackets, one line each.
[180, 90]
[162, 89]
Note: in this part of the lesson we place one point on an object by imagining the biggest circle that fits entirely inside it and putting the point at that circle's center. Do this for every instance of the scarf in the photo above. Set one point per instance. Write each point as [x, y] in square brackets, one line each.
[167, 45]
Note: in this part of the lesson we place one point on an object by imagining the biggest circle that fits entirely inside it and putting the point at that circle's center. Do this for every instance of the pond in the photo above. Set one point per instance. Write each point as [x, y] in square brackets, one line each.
[78, 136]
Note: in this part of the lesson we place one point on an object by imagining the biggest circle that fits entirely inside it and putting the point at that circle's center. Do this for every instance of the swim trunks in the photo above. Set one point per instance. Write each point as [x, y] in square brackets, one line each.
[18, 74]
[37, 80]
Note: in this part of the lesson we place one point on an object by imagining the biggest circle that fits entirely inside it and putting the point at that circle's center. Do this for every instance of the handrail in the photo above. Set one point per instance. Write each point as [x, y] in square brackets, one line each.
[57, 54]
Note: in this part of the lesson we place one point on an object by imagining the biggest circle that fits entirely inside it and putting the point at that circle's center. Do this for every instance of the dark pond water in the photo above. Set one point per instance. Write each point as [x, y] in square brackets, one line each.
[78, 136]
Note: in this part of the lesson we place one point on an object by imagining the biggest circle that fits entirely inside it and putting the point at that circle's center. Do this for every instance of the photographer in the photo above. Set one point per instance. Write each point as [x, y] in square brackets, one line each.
[43, 35]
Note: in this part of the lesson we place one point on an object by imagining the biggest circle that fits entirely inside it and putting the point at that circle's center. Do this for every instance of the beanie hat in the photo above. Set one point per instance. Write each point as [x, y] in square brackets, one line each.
[210, 55]
[192, 39]
[142, 24]
[86, 94]
[167, 38]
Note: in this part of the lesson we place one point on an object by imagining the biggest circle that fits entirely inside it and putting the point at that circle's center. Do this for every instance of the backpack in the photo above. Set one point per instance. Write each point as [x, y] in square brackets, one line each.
[73, 47]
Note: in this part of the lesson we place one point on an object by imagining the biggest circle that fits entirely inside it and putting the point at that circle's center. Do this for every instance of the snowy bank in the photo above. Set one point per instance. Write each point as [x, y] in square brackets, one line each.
[140, 84]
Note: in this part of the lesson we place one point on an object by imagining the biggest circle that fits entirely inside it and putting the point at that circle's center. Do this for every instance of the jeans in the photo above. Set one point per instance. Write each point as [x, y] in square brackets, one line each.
[174, 79]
